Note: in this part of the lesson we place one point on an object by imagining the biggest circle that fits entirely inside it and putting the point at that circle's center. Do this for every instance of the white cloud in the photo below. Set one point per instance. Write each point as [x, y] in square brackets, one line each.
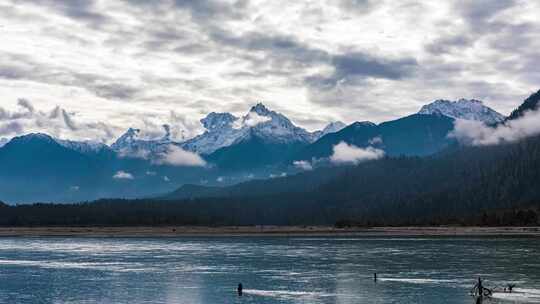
[138, 153]
[166, 178]
[176, 156]
[282, 174]
[303, 164]
[220, 179]
[122, 62]
[123, 175]
[58, 122]
[478, 134]
[151, 173]
[250, 120]
[345, 153]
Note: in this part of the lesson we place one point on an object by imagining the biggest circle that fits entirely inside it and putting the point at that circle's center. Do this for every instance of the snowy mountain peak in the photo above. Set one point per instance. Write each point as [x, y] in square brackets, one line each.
[468, 109]
[224, 129]
[214, 121]
[130, 136]
[261, 109]
[333, 127]
[129, 144]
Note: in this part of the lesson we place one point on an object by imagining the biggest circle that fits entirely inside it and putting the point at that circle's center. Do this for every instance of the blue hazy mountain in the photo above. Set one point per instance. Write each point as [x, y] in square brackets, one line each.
[414, 135]
[36, 167]
[260, 144]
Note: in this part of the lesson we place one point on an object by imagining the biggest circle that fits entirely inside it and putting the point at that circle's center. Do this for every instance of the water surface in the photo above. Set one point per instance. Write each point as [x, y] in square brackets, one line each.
[272, 269]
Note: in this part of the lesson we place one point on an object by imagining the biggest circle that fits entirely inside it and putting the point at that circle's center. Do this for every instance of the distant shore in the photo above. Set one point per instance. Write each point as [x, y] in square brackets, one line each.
[172, 231]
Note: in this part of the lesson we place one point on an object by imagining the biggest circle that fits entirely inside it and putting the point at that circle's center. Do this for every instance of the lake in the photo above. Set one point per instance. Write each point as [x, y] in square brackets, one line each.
[271, 269]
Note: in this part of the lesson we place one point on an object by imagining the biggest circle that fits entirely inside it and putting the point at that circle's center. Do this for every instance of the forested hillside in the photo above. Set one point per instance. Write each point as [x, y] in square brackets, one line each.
[454, 187]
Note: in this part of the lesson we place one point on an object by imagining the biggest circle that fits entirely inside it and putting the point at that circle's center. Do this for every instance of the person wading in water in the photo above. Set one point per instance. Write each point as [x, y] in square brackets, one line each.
[239, 289]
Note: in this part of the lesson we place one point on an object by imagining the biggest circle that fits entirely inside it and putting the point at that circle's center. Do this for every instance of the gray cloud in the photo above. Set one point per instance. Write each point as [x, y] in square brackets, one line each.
[79, 10]
[200, 56]
[479, 12]
[364, 65]
[354, 68]
[450, 44]
[57, 122]
[478, 134]
[22, 67]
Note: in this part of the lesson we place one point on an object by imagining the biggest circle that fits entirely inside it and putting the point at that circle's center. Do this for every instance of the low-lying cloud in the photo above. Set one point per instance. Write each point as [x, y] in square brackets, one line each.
[250, 120]
[351, 154]
[123, 175]
[176, 156]
[303, 164]
[478, 134]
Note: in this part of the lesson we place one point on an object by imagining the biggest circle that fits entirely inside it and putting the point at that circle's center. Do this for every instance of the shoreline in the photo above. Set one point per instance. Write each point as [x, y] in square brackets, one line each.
[268, 231]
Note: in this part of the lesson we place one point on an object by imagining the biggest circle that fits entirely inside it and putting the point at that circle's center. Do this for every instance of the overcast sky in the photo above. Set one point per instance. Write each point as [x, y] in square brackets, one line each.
[89, 69]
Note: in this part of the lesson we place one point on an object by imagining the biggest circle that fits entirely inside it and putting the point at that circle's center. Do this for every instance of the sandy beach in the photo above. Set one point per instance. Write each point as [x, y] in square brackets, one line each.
[171, 231]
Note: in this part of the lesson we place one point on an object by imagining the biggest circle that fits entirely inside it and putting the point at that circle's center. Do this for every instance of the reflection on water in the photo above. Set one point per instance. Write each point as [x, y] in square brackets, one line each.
[272, 270]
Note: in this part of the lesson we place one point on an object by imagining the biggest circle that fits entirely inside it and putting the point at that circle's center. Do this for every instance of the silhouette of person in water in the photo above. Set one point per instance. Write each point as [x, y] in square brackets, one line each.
[510, 287]
[239, 289]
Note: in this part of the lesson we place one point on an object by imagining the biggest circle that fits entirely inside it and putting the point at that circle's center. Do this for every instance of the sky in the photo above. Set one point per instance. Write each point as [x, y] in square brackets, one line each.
[89, 69]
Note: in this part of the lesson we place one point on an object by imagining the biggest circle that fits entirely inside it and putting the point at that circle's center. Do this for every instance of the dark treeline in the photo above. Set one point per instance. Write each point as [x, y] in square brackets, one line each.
[494, 185]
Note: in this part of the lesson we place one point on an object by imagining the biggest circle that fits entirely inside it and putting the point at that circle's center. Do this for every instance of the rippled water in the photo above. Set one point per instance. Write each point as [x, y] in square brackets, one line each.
[272, 270]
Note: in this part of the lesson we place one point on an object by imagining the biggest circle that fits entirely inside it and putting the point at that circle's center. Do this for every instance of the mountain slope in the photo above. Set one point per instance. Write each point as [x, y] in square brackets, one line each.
[253, 151]
[414, 135]
[36, 164]
[530, 104]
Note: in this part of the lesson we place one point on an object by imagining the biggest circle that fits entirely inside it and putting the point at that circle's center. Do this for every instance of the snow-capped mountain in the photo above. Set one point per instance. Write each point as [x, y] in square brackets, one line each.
[219, 133]
[224, 129]
[129, 144]
[468, 109]
[3, 141]
[275, 127]
[333, 127]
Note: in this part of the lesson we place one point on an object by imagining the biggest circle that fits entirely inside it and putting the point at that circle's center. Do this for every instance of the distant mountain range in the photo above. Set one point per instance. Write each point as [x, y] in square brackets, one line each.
[258, 145]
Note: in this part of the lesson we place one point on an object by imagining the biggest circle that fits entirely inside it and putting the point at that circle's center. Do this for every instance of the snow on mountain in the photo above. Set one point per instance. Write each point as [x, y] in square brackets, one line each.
[224, 129]
[278, 128]
[219, 133]
[333, 127]
[468, 109]
[129, 144]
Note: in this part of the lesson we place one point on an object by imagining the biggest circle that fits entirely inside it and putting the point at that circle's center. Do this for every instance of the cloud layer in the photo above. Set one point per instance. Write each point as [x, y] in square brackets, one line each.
[478, 134]
[133, 63]
[57, 122]
[343, 153]
[176, 156]
[123, 175]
